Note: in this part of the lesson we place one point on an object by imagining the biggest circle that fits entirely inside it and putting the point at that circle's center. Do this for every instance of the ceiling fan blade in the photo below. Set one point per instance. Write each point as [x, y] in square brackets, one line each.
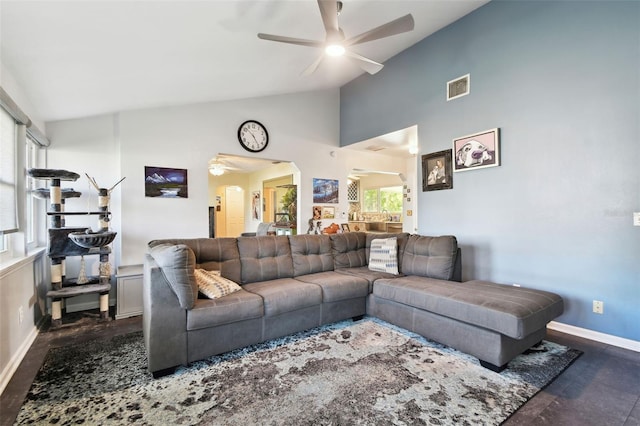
[314, 66]
[398, 26]
[290, 40]
[329, 12]
[366, 64]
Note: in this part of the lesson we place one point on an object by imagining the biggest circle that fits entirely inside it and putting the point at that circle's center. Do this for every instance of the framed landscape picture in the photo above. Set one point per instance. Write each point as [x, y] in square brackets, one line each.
[165, 182]
[328, 212]
[436, 171]
[325, 191]
[477, 151]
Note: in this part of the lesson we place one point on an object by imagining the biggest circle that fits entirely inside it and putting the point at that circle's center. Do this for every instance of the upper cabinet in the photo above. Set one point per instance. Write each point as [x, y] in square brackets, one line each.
[353, 191]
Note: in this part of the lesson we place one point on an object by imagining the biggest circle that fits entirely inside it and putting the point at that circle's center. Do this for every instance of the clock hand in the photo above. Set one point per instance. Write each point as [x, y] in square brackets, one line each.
[253, 136]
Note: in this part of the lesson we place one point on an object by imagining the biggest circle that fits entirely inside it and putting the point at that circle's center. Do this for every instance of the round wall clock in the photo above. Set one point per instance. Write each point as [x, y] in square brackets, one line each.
[253, 136]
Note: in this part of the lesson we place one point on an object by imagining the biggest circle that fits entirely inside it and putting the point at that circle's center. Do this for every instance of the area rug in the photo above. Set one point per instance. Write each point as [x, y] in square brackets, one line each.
[366, 372]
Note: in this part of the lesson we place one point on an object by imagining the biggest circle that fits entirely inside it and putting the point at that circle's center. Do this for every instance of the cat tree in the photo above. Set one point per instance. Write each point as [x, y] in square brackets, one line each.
[75, 241]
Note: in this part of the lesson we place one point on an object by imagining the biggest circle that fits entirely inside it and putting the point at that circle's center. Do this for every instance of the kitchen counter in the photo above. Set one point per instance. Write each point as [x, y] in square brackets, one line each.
[375, 226]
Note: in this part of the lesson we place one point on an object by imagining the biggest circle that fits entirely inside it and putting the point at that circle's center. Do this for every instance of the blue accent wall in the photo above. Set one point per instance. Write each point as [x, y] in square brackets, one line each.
[562, 82]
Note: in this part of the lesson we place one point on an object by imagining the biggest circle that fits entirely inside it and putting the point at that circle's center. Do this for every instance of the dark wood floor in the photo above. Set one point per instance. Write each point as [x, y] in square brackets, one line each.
[601, 388]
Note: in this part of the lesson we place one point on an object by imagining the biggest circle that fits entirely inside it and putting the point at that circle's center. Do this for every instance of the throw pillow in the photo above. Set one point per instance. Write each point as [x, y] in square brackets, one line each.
[383, 255]
[213, 285]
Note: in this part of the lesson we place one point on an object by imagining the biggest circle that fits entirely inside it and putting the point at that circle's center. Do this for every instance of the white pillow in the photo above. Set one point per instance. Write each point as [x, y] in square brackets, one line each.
[383, 255]
[213, 285]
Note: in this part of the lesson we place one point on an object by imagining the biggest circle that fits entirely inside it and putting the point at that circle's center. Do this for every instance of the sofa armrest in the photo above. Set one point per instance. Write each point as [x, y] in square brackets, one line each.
[164, 322]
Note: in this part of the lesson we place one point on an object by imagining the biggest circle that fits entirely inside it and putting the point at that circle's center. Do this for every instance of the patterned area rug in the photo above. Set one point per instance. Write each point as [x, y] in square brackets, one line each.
[349, 373]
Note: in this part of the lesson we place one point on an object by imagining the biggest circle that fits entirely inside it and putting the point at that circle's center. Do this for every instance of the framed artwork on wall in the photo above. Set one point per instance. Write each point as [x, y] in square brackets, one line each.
[326, 191]
[477, 151]
[255, 205]
[328, 212]
[436, 171]
[317, 212]
[165, 182]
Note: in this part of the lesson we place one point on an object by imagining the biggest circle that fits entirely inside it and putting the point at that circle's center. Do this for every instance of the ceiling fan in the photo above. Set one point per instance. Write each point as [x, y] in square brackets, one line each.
[335, 43]
[221, 164]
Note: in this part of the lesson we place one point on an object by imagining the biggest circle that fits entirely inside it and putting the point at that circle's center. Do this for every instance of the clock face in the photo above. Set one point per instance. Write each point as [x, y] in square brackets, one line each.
[253, 136]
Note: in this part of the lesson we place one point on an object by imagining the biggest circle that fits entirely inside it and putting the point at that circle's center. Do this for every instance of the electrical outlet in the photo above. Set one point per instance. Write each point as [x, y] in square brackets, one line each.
[20, 314]
[598, 306]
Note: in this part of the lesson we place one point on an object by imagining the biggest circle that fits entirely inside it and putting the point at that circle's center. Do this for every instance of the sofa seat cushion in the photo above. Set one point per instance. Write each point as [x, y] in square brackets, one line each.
[365, 273]
[336, 287]
[285, 295]
[238, 306]
[513, 311]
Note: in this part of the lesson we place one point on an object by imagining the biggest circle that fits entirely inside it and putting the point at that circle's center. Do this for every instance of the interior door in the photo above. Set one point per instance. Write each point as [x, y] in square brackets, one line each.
[234, 211]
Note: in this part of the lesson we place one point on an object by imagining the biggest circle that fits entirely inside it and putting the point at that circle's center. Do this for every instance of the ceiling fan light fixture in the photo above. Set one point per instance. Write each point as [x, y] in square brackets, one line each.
[334, 50]
[216, 170]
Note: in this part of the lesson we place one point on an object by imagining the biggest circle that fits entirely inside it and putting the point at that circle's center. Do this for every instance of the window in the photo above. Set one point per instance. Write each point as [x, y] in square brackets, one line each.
[22, 224]
[387, 199]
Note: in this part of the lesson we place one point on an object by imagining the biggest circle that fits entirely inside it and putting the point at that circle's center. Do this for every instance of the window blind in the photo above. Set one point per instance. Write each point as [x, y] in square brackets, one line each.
[8, 198]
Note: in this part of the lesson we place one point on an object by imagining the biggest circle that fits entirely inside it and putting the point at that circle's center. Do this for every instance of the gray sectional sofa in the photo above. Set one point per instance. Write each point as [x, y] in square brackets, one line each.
[292, 283]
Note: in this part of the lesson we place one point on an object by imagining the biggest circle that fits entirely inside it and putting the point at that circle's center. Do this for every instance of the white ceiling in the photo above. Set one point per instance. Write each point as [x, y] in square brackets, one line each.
[81, 58]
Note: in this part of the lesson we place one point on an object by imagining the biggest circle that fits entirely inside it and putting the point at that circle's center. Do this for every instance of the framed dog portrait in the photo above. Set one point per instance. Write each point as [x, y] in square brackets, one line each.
[477, 151]
[436, 171]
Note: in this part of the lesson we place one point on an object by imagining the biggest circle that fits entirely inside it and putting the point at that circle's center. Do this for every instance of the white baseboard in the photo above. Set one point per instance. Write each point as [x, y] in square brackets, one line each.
[620, 342]
[17, 358]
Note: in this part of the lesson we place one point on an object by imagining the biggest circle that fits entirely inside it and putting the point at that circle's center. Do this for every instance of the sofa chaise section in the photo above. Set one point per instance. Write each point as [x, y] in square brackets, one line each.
[491, 321]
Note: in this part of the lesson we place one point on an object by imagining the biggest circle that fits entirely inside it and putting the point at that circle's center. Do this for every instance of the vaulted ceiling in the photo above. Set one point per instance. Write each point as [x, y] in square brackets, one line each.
[81, 58]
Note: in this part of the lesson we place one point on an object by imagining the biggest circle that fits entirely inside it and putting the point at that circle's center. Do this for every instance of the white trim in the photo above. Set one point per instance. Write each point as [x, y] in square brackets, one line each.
[17, 358]
[9, 267]
[632, 345]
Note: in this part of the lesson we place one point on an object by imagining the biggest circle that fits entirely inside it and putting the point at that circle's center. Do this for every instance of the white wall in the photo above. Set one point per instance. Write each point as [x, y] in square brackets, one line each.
[303, 128]
[20, 283]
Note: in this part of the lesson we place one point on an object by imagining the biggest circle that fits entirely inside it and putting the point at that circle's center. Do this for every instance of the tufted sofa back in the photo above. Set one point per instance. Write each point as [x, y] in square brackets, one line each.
[311, 254]
[265, 258]
[433, 257]
[349, 249]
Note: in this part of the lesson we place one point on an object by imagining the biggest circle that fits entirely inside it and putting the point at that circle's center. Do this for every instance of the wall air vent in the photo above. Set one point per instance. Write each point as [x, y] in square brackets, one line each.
[458, 87]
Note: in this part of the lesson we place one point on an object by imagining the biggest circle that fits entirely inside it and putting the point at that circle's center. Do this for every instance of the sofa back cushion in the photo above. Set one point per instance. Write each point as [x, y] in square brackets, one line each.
[348, 249]
[311, 254]
[177, 262]
[212, 254]
[265, 258]
[432, 257]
